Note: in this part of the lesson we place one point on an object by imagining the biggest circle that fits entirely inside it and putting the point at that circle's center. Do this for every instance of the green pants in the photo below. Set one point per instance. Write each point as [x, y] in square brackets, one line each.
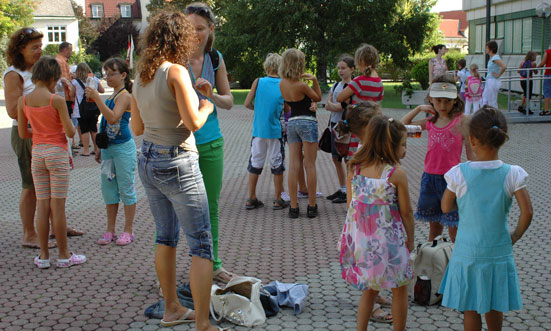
[211, 163]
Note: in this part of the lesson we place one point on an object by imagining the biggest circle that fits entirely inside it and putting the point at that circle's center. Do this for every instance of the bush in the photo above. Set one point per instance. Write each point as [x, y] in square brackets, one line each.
[452, 58]
[3, 49]
[51, 50]
[420, 73]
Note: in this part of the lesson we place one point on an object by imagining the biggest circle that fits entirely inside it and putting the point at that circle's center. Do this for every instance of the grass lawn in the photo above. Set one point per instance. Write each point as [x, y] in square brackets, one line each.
[392, 99]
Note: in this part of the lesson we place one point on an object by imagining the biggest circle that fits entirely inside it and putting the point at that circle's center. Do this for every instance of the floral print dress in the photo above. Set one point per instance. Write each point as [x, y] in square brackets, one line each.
[373, 248]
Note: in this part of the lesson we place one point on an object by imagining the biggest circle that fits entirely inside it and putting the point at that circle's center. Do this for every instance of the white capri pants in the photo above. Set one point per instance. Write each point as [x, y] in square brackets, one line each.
[471, 106]
[489, 96]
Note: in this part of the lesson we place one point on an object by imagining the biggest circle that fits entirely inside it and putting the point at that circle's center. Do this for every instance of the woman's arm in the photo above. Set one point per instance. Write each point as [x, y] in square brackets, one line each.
[13, 89]
[330, 105]
[122, 104]
[399, 179]
[345, 94]
[502, 66]
[100, 87]
[22, 124]
[431, 68]
[349, 188]
[135, 118]
[526, 213]
[543, 60]
[408, 118]
[193, 115]
[313, 92]
[249, 100]
[61, 106]
[223, 98]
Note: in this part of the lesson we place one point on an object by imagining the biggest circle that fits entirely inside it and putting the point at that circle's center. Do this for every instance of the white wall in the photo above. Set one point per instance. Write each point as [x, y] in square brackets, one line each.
[41, 24]
[145, 14]
[477, 8]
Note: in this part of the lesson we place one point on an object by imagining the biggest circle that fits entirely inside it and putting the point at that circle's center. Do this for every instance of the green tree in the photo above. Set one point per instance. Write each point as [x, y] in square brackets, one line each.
[15, 14]
[88, 31]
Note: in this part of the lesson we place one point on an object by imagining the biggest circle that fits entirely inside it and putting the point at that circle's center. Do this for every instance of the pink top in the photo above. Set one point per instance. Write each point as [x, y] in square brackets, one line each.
[443, 147]
[46, 125]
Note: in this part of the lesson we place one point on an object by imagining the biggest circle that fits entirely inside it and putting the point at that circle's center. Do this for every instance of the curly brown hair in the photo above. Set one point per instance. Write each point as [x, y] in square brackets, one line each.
[169, 37]
[19, 40]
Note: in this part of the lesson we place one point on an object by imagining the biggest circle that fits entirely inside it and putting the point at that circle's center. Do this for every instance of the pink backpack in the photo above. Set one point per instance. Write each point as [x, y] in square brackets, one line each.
[473, 87]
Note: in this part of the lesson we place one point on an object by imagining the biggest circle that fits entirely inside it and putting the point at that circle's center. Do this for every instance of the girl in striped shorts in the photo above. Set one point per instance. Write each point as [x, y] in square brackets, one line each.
[47, 113]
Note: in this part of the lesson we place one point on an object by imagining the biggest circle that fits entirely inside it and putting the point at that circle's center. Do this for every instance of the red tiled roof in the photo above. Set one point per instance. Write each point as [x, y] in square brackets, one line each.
[111, 7]
[456, 15]
[450, 29]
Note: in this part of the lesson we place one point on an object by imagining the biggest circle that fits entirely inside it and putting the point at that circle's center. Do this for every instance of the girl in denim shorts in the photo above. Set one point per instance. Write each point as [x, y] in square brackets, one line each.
[302, 128]
[445, 143]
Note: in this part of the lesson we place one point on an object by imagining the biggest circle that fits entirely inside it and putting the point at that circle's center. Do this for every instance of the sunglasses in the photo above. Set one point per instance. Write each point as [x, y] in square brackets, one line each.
[28, 32]
[201, 11]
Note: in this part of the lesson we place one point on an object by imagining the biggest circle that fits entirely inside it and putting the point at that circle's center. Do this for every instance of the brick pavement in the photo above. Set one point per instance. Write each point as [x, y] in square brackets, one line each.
[112, 290]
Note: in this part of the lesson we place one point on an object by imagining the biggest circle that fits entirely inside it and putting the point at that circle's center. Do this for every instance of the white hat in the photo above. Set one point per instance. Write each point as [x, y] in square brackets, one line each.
[443, 90]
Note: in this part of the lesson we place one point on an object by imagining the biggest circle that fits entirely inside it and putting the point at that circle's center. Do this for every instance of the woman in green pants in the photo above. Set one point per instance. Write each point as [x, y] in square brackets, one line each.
[207, 67]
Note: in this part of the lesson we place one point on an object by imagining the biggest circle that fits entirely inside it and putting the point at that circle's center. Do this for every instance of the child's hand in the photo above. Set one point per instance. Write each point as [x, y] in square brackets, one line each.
[203, 86]
[92, 93]
[308, 76]
[427, 109]
[97, 157]
[313, 106]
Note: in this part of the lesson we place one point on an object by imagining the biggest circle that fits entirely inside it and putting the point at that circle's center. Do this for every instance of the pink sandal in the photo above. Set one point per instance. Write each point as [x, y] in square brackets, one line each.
[125, 239]
[107, 238]
[73, 260]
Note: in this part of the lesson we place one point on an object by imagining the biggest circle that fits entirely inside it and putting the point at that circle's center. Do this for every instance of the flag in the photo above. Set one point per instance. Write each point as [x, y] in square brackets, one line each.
[130, 53]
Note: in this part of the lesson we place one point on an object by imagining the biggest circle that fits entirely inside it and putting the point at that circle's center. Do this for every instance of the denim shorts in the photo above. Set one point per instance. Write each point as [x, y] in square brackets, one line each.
[174, 187]
[547, 87]
[302, 130]
[430, 199]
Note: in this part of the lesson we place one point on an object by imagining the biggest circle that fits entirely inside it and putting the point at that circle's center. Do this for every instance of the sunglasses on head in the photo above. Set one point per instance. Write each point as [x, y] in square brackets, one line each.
[199, 10]
[28, 32]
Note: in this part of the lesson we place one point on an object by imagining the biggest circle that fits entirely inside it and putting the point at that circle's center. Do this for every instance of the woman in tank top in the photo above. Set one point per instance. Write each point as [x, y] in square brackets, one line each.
[437, 65]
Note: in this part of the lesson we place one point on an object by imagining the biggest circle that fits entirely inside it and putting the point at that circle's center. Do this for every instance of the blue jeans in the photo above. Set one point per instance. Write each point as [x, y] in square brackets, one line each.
[430, 199]
[174, 187]
[302, 130]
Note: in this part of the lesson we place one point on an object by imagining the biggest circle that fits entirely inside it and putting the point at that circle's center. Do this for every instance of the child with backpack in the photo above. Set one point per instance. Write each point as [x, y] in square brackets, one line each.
[379, 224]
[462, 75]
[47, 113]
[527, 83]
[473, 91]
[266, 101]
[444, 148]
[481, 277]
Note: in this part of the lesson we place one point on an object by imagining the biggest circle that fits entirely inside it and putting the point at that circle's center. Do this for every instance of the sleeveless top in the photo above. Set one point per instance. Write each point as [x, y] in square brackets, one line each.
[159, 111]
[438, 67]
[211, 129]
[268, 106]
[28, 85]
[119, 132]
[493, 67]
[444, 147]
[301, 108]
[46, 124]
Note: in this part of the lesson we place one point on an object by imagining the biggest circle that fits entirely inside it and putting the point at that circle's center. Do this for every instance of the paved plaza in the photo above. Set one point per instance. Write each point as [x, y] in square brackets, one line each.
[112, 290]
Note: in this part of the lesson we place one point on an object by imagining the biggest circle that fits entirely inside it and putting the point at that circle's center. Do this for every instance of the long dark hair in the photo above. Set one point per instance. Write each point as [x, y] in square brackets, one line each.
[19, 40]
[118, 64]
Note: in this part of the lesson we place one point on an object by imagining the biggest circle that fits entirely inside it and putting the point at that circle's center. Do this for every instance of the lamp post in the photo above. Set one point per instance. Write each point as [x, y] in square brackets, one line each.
[543, 10]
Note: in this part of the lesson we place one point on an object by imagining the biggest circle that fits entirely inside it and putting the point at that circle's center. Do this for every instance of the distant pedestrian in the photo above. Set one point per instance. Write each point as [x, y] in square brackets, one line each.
[302, 128]
[379, 231]
[526, 83]
[546, 62]
[473, 91]
[266, 101]
[496, 68]
[461, 75]
[48, 116]
[345, 68]
[366, 87]
[437, 65]
[481, 276]
[444, 148]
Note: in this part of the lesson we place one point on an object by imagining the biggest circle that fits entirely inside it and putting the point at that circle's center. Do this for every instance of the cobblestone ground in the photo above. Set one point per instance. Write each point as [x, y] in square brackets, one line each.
[114, 287]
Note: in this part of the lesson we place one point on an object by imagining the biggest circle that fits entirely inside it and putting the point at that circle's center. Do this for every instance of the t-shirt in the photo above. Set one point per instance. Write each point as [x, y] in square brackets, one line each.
[438, 67]
[548, 62]
[516, 177]
[79, 94]
[444, 147]
[336, 116]
[366, 89]
[463, 74]
[493, 67]
[268, 106]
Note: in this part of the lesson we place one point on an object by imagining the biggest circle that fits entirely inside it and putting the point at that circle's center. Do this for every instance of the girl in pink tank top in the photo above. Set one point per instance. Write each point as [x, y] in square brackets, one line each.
[444, 147]
[47, 113]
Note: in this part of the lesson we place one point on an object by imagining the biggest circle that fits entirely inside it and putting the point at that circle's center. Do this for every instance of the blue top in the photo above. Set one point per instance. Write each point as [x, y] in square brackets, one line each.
[119, 132]
[268, 106]
[211, 130]
[493, 67]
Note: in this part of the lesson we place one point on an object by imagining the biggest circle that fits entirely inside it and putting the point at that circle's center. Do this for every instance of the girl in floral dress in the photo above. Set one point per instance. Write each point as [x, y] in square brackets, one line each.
[378, 232]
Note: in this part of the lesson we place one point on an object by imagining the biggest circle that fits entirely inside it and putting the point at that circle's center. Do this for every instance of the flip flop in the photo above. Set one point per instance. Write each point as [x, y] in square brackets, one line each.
[280, 204]
[216, 275]
[253, 203]
[385, 302]
[74, 233]
[183, 319]
[51, 244]
[381, 317]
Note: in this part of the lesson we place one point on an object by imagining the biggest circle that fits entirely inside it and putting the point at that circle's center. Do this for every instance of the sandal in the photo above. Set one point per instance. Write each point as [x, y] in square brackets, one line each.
[545, 113]
[280, 204]
[183, 319]
[380, 316]
[253, 203]
[125, 239]
[384, 302]
[217, 275]
[73, 260]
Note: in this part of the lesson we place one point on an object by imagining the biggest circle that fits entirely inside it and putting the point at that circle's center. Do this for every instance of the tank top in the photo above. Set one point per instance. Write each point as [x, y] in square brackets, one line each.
[438, 67]
[28, 85]
[211, 129]
[46, 124]
[444, 147]
[493, 67]
[119, 132]
[268, 106]
[159, 111]
[301, 108]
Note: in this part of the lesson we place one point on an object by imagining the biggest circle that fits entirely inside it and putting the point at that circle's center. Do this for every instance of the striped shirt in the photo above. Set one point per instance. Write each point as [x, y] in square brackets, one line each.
[366, 89]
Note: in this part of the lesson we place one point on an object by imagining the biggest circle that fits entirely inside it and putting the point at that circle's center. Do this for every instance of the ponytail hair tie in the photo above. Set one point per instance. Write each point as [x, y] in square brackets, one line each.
[345, 122]
[495, 127]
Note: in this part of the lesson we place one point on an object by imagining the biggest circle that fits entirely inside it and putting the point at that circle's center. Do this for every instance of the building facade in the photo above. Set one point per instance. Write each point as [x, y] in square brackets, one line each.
[57, 21]
[127, 9]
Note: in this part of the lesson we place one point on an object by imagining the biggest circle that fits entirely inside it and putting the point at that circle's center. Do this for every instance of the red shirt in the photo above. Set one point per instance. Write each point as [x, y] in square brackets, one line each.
[548, 63]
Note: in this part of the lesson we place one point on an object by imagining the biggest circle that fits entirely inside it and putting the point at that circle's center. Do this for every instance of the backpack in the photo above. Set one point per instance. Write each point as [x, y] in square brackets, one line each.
[429, 266]
[473, 87]
[215, 59]
[85, 108]
[526, 64]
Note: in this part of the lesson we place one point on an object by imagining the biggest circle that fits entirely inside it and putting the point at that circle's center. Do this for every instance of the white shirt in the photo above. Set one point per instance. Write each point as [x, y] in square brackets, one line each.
[336, 116]
[516, 178]
[79, 94]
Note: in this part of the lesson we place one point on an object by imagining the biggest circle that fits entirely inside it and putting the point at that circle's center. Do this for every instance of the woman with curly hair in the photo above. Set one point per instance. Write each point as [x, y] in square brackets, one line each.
[166, 110]
[207, 67]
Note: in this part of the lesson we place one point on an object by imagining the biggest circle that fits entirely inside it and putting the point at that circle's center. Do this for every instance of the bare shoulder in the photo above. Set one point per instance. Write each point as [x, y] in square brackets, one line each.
[399, 176]
[58, 101]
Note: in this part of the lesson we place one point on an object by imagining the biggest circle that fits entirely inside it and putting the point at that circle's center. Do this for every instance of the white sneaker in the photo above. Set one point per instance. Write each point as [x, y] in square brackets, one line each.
[285, 196]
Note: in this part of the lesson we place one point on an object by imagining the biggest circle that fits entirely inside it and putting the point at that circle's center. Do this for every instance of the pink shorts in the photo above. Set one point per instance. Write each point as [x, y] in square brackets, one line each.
[50, 169]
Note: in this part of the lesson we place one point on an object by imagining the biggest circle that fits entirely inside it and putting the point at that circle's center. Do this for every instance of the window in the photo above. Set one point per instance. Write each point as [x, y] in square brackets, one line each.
[508, 36]
[97, 11]
[526, 34]
[480, 38]
[517, 36]
[56, 34]
[126, 10]
[500, 27]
